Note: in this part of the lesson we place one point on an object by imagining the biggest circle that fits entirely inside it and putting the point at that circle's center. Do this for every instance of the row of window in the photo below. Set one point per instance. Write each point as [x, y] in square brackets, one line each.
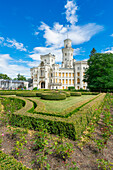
[67, 74]
[77, 87]
[78, 81]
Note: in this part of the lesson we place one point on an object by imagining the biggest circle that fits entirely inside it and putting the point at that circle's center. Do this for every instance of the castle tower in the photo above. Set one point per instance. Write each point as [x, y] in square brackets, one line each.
[67, 51]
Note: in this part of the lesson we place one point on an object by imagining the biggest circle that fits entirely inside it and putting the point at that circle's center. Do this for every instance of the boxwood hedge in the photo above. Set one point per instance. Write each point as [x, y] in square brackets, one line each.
[75, 93]
[53, 96]
[26, 94]
[9, 163]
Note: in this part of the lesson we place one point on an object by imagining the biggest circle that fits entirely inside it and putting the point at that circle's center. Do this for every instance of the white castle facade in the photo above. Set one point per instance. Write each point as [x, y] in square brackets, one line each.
[49, 75]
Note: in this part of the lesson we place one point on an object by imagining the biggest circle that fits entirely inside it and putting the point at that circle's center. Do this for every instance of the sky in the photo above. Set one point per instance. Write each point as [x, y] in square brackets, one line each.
[30, 28]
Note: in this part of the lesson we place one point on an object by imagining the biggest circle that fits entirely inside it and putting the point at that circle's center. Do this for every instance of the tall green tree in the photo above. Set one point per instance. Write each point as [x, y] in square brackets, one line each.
[99, 74]
[93, 51]
[20, 77]
[4, 76]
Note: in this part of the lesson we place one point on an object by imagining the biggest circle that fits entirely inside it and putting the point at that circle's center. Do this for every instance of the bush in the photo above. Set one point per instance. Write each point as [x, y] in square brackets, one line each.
[71, 88]
[53, 96]
[75, 94]
[90, 93]
[8, 162]
[27, 94]
[38, 94]
[35, 88]
[7, 92]
[66, 93]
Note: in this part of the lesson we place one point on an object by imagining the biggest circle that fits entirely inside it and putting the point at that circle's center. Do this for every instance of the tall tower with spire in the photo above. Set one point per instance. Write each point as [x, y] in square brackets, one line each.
[67, 52]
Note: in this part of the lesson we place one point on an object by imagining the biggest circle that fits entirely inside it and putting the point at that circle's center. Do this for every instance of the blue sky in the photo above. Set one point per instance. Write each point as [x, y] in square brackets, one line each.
[30, 28]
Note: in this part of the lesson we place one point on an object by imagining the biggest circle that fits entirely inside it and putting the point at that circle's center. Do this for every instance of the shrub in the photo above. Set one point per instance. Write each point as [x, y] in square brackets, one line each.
[53, 96]
[66, 93]
[35, 88]
[71, 88]
[75, 94]
[27, 94]
[7, 92]
[38, 94]
[8, 162]
[90, 93]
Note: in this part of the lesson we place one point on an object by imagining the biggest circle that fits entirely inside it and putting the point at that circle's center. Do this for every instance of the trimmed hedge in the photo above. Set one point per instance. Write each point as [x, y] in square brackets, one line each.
[66, 93]
[26, 94]
[7, 92]
[9, 163]
[38, 94]
[71, 127]
[75, 94]
[53, 96]
[89, 93]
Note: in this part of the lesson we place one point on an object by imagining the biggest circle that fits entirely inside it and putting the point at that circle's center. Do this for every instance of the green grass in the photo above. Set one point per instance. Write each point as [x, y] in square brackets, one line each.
[62, 105]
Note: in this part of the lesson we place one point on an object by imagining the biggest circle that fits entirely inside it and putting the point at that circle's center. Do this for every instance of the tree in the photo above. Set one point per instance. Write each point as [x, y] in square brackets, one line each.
[4, 76]
[93, 51]
[20, 77]
[99, 75]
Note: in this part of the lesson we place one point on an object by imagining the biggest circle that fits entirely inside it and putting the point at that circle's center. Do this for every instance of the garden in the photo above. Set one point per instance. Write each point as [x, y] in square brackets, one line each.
[56, 130]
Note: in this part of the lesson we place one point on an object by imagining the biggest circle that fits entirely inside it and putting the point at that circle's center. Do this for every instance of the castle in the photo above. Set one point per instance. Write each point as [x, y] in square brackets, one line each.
[49, 75]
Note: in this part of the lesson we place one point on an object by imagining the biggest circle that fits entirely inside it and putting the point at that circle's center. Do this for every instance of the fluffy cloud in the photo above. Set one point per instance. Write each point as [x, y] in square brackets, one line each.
[1, 40]
[71, 9]
[108, 50]
[54, 36]
[12, 69]
[111, 35]
[15, 44]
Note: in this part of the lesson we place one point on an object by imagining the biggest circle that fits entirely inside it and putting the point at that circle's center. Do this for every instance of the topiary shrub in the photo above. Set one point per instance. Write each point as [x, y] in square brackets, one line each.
[7, 92]
[71, 88]
[27, 94]
[66, 93]
[38, 94]
[90, 93]
[75, 94]
[53, 96]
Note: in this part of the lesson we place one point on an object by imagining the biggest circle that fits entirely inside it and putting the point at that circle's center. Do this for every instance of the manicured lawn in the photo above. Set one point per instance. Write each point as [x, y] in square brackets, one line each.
[61, 105]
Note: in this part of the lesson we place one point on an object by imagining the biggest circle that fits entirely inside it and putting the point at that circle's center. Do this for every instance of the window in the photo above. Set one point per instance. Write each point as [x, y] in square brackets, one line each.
[41, 73]
[56, 74]
[83, 82]
[65, 54]
[70, 81]
[56, 80]
[73, 74]
[45, 60]
[63, 87]
[84, 68]
[83, 73]
[59, 80]
[48, 74]
[69, 74]
[84, 87]
[73, 81]
[59, 74]
[78, 68]
[63, 81]
[78, 74]
[51, 74]
[78, 87]
[71, 54]
[66, 81]
[62, 74]
[78, 81]
[66, 87]
[66, 74]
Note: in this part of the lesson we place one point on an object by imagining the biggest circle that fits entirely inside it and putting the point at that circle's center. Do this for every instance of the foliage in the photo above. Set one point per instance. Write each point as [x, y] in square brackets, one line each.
[71, 88]
[8, 162]
[53, 96]
[26, 94]
[75, 93]
[4, 76]
[99, 74]
[20, 77]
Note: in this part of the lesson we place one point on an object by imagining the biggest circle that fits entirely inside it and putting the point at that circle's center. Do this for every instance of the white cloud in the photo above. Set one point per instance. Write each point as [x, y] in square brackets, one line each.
[12, 69]
[108, 50]
[54, 36]
[71, 9]
[111, 35]
[15, 44]
[36, 33]
[1, 40]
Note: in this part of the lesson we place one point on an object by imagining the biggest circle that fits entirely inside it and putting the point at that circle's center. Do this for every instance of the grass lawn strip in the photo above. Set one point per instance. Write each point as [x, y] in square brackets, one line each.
[67, 112]
[62, 105]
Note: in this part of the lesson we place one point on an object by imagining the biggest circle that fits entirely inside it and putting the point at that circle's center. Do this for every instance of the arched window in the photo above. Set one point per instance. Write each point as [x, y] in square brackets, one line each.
[78, 81]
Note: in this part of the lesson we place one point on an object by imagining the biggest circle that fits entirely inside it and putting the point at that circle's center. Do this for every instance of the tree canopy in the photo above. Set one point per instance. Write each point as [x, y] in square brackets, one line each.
[99, 75]
[20, 77]
[4, 76]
